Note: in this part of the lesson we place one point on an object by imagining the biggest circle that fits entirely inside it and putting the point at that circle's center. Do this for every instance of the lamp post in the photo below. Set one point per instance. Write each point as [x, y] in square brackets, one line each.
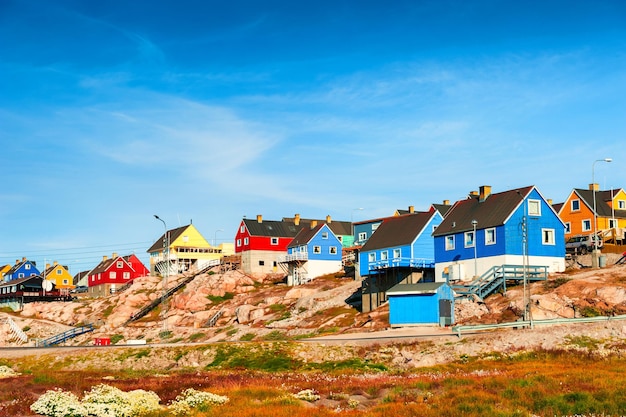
[215, 236]
[594, 254]
[474, 223]
[166, 256]
[352, 222]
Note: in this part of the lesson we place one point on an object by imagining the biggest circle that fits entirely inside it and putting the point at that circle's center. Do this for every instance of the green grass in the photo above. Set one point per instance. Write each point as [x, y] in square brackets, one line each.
[217, 299]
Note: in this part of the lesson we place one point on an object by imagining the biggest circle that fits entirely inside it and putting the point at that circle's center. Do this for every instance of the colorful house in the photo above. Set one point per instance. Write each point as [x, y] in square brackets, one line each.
[21, 269]
[59, 275]
[341, 229]
[3, 270]
[426, 303]
[401, 249]
[112, 273]
[187, 249]
[487, 233]
[313, 252]
[577, 213]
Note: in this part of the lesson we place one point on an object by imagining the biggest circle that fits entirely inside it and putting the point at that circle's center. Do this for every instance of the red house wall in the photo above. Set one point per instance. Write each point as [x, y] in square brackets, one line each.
[259, 242]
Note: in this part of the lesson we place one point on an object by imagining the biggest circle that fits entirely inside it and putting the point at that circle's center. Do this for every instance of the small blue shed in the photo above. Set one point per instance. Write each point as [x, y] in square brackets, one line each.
[427, 303]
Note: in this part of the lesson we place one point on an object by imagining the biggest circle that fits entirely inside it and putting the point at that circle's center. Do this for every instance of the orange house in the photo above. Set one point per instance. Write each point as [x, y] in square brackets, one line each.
[610, 207]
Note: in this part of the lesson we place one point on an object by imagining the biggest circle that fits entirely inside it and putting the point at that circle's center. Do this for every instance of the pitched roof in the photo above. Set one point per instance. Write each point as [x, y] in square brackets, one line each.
[173, 234]
[338, 227]
[272, 228]
[305, 235]
[18, 265]
[442, 208]
[106, 264]
[491, 212]
[603, 198]
[398, 230]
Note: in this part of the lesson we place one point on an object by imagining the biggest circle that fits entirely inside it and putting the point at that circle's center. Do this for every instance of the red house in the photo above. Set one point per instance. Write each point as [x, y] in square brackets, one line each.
[260, 243]
[110, 274]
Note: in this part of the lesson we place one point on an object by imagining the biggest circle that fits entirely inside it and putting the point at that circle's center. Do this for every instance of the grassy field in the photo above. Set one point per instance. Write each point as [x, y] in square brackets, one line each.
[265, 383]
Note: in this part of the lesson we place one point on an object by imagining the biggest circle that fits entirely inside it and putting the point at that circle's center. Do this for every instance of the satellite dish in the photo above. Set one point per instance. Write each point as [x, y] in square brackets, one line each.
[47, 285]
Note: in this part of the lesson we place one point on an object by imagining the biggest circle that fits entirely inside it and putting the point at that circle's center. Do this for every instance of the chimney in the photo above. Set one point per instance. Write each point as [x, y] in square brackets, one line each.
[259, 218]
[313, 224]
[446, 202]
[328, 219]
[55, 263]
[104, 258]
[411, 209]
[549, 201]
[114, 255]
[23, 258]
[485, 191]
[594, 186]
[47, 266]
[473, 194]
[296, 219]
[17, 261]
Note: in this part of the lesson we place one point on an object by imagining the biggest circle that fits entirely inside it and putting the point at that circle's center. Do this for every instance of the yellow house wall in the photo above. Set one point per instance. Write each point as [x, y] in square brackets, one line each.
[57, 276]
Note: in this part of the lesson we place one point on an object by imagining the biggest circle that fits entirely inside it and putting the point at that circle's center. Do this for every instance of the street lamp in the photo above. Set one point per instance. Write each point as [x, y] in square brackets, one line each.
[166, 256]
[215, 236]
[474, 223]
[352, 222]
[594, 255]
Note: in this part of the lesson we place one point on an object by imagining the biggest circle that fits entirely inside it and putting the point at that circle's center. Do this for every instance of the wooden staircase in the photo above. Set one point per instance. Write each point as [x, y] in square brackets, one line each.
[496, 278]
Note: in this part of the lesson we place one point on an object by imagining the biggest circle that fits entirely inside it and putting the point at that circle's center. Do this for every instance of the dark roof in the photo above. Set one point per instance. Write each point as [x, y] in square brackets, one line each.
[339, 227]
[18, 265]
[419, 288]
[442, 208]
[173, 235]
[305, 235]
[603, 198]
[21, 280]
[557, 207]
[491, 212]
[398, 230]
[272, 228]
[46, 272]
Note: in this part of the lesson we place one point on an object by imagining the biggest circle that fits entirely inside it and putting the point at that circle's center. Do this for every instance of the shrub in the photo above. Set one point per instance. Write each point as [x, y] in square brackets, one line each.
[247, 337]
[58, 403]
[216, 299]
[190, 398]
[116, 338]
[307, 395]
[6, 372]
[196, 336]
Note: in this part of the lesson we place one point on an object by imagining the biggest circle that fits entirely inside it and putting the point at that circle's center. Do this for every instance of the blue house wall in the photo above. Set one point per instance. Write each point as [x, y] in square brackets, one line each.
[324, 243]
[367, 228]
[509, 236]
[26, 270]
[408, 309]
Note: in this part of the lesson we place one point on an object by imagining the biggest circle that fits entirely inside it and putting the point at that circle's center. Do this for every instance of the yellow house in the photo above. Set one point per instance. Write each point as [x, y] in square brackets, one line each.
[3, 270]
[187, 249]
[577, 212]
[59, 275]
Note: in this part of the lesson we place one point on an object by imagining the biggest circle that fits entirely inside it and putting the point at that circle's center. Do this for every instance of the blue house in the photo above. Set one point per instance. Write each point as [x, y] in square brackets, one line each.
[507, 233]
[313, 252]
[401, 249]
[428, 303]
[21, 269]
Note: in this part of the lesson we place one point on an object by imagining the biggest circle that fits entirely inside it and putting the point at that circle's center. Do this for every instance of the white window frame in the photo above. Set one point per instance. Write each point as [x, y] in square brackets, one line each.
[577, 208]
[621, 205]
[242, 228]
[302, 249]
[112, 274]
[466, 236]
[384, 255]
[246, 241]
[613, 223]
[371, 257]
[362, 236]
[584, 227]
[59, 272]
[449, 242]
[126, 275]
[273, 241]
[490, 236]
[548, 237]
[27, 266]
[534, 207]
[324, 235]
[397, 253]
[238, 242]
[332, 250]
[317, 249]
[120, 264]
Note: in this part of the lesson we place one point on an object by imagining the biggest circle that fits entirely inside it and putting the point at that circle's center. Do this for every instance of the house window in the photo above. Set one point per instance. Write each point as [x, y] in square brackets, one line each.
[547, 236]
[261, 263]
[575, 205]
[332, 250]
[534, 207]
[27, 266]
[112, 274]
[120, 264]
[126, 275]
[274, 241]
[469, 239]
[490, 236]
[65, 282]
[340, 238]
[20, 275]
[362, 236]
[397, 253]
[324, 235]
[568, 228]
[59, 272]
[450, 242]
[612, 223]
[375, 226]
[238, 242]
[245, 240]
[621, 204]
[242, 228]
[435, 227]
[302, 249]
[317, 249]
[371, 257]
[384, 255]
[586, 225]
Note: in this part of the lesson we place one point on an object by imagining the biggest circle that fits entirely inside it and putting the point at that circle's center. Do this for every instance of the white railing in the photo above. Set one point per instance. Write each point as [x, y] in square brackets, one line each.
[298, 256]
[16, 332]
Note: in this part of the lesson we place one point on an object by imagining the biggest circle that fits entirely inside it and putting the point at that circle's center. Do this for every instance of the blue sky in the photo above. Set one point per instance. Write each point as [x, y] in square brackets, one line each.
[207, 111]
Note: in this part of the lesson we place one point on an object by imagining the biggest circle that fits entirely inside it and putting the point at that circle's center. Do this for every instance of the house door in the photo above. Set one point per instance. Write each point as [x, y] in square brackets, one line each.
[445, 312]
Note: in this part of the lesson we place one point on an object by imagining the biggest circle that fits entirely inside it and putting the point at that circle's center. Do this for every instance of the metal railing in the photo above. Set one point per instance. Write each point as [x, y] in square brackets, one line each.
[298, 256]
[69, 334]
[496, 278]
[401, 262]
